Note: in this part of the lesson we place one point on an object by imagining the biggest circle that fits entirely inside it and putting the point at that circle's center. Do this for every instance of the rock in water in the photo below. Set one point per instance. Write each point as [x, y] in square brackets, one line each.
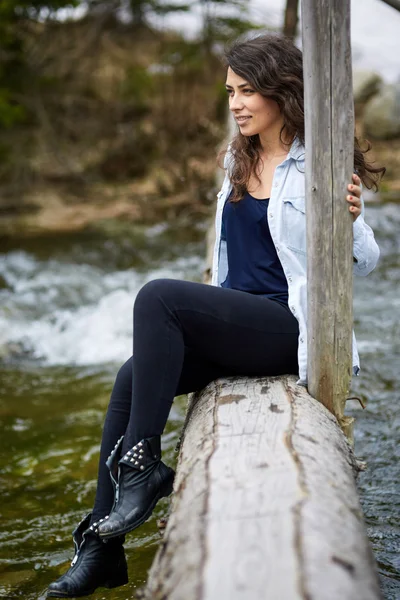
[365, 85]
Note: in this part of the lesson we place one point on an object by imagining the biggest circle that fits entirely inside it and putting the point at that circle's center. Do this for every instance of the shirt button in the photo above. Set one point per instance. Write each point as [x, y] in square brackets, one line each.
[277, 249]
[289, 279]
[276, 183]
[271, 215]
[293, 309]
[301, 340]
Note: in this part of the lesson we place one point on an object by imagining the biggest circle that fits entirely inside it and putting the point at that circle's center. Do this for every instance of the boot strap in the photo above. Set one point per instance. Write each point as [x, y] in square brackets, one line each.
[142, 455]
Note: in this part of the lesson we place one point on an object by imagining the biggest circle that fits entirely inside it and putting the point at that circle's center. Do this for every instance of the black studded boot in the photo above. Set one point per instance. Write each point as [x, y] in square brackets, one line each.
[142, 480]
[96, 564]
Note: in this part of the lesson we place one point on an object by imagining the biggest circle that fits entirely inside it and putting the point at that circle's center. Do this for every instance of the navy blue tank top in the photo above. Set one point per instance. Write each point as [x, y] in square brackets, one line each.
[253, 263]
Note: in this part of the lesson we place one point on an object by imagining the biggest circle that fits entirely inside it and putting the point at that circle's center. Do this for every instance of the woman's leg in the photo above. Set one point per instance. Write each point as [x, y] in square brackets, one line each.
[104, 564]
[185, 335]
[241, 333]
[196, 373]
[115, 424]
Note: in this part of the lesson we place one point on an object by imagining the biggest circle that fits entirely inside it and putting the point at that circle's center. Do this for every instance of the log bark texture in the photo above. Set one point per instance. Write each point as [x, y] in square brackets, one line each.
[265, 503]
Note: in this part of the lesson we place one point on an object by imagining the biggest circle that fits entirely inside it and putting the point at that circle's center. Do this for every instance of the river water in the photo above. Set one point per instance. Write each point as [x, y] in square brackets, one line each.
[65, 326]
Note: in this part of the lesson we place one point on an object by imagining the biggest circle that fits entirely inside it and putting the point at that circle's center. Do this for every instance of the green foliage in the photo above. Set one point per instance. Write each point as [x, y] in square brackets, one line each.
[183, 55]
[11, 10]
[13, 70]
[138, 10]
[230, 27]
[223, 20]
[10, 112]
[163, 8]
[137, 86]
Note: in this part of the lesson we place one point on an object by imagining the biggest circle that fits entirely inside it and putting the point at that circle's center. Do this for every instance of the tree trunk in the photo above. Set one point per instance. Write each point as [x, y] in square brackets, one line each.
[291, 18]
[329, 142]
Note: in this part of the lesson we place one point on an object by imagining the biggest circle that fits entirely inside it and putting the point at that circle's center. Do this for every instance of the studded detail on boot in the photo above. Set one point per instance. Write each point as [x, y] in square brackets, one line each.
[142, 480]
[96, 564]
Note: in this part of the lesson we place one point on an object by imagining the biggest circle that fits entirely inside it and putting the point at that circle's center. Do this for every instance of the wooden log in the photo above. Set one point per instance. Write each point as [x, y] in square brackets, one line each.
[265, 503]
[329, 140]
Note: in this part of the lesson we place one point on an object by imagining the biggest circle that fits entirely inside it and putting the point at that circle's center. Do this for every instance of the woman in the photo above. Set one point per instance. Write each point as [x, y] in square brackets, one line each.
[251, 321]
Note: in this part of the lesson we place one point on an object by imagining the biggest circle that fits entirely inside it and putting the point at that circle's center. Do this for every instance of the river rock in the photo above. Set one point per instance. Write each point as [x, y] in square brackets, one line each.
[382, 113]
[365, 85]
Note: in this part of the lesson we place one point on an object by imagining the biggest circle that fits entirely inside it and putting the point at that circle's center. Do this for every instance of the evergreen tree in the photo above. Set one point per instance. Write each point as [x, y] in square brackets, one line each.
[13, 72]
[137, 11]
[223, 20]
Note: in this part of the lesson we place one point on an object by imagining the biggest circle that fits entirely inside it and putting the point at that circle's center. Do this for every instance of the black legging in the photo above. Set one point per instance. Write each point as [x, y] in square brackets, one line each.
[185, 335]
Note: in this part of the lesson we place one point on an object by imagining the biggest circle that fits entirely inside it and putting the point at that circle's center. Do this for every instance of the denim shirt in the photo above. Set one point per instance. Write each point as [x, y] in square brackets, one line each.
[287, 222]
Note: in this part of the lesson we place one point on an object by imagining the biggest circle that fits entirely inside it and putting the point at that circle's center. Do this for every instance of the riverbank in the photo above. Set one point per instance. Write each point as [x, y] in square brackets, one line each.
[76, 206]
[157, 197]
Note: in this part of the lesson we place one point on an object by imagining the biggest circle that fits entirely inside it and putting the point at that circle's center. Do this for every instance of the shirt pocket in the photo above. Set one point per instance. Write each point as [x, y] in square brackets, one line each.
[294, 223]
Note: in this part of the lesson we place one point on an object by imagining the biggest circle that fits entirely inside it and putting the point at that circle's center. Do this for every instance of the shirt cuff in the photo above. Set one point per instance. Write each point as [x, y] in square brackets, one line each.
[358, 227]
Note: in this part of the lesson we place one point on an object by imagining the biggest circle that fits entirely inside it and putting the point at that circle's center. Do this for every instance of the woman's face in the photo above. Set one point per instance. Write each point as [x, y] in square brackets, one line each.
[254, 113]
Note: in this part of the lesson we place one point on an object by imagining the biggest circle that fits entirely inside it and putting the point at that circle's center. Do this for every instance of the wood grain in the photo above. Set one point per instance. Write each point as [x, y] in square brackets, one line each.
[329, 140]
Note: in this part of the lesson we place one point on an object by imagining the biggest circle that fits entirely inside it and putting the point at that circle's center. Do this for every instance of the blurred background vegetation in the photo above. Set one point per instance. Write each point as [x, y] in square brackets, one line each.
[97, 103]
[107, 113]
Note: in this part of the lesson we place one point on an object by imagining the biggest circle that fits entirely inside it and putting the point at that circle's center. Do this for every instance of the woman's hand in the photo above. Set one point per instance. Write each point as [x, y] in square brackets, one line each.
[354, 198]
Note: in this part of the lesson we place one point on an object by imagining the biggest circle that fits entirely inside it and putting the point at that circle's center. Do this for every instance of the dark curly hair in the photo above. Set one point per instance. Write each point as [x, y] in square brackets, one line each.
[273, 66]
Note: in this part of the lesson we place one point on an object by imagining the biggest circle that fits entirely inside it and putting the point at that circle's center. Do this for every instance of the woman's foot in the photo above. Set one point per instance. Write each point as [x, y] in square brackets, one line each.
[95, 564]
[142, 480]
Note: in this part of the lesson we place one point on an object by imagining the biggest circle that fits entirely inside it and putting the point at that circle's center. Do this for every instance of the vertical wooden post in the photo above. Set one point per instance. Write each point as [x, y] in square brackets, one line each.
[329, 139]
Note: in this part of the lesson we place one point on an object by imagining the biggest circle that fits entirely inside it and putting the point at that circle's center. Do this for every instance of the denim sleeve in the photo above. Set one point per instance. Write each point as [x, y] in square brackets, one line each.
[365, 249]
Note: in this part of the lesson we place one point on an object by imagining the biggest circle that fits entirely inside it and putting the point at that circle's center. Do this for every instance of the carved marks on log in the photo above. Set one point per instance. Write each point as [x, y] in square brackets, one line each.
[252, 481]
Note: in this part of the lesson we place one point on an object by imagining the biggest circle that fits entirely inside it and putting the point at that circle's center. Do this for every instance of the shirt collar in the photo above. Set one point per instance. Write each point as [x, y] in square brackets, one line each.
[297, 150]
